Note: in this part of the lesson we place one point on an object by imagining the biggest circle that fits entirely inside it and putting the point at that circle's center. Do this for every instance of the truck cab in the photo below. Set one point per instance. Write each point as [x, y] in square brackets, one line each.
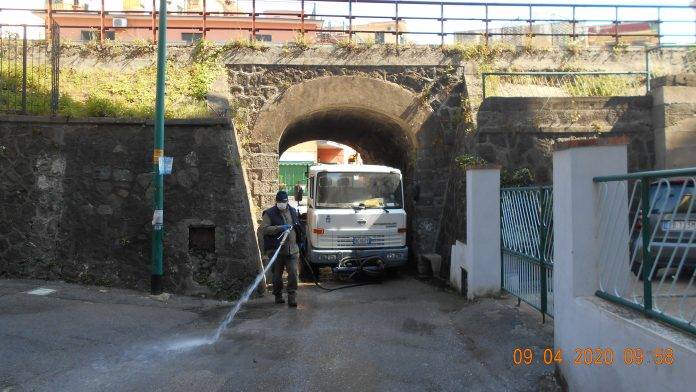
[355, 212]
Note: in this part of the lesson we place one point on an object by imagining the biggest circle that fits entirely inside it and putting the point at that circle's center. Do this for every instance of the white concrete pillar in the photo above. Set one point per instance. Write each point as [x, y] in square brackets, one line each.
[575, 225]
[575, 205]
[480, 256]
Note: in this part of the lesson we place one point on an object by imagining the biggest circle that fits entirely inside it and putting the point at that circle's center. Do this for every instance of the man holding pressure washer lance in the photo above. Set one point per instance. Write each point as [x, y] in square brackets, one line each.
[276, 220]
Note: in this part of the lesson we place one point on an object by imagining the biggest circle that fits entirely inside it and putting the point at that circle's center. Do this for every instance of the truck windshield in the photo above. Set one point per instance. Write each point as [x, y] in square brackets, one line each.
[363, 190]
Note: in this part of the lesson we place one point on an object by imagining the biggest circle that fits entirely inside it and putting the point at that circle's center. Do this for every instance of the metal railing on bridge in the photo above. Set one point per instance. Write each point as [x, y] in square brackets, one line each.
[647, 225]
[526, 215]
[434, 22]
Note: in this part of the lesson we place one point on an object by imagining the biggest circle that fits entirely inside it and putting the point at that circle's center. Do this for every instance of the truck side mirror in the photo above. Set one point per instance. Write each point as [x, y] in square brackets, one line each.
[416, 192]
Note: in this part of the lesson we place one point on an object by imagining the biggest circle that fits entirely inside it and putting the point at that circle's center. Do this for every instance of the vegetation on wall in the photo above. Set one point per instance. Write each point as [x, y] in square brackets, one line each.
[130, 92]
[522, 176]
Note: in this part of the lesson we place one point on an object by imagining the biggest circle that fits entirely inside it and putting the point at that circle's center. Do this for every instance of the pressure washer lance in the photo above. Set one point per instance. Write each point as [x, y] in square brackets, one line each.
[358, 270]
[247, 293]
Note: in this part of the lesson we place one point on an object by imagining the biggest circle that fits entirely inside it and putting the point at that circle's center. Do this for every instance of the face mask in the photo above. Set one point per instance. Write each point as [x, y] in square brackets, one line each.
[282, 205]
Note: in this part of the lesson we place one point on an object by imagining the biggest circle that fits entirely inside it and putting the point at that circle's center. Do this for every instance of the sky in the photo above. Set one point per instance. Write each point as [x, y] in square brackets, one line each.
[387, 11]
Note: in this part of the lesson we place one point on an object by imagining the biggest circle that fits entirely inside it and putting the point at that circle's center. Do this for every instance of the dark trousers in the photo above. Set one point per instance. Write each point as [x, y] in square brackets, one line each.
[289, 263]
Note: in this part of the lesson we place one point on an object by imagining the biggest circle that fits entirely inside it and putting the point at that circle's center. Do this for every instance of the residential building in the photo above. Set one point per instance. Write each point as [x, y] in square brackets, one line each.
[639, 34]
[282, 26]
[548, 34]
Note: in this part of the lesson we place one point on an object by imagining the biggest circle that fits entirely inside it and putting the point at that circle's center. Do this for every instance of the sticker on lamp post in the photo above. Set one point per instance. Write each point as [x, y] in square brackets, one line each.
[165, 165]
[158, 219]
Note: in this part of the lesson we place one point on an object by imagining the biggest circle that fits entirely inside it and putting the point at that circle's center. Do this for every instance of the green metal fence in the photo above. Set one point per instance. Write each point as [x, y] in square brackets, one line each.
[29, 72]
[526, 216]
[647, 229]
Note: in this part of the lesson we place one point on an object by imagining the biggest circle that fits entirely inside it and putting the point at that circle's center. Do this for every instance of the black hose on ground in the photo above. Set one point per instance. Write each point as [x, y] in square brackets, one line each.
[360, 268]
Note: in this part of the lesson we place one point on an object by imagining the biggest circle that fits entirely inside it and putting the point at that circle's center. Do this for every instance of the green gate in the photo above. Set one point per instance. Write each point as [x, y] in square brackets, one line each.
[526, 230]
[292, 173]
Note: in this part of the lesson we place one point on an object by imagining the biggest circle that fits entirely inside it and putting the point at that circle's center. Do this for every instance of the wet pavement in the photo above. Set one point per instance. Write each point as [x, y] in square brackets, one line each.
[400, 335]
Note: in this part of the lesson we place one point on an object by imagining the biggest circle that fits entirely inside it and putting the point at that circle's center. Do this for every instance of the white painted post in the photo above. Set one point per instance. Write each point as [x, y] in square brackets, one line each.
[480, 256]
[575, 215]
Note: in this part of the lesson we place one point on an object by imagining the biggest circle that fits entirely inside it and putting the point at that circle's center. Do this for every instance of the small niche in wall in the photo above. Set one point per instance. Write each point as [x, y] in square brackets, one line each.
[202, 239]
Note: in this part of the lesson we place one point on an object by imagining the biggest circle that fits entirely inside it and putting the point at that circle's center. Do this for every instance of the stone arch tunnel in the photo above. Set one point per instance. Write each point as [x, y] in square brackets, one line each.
[385, 121]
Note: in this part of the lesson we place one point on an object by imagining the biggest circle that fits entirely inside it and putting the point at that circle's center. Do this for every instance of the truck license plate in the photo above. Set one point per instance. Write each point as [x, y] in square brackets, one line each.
[361, 240]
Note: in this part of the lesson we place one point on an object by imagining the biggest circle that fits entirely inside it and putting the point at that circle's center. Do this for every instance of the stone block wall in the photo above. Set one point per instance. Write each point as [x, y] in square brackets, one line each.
[76, 196]
[520, 133]
[674, 120]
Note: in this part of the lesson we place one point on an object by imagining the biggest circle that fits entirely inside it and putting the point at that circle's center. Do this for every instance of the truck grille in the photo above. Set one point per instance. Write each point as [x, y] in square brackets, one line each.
[347, 241]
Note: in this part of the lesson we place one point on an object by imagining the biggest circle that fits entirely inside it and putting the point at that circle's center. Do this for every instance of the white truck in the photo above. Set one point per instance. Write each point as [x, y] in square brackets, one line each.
[355, 214]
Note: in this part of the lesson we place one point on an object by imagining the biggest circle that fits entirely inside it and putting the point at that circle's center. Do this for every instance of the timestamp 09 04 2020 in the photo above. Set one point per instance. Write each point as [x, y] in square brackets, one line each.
[595, 356]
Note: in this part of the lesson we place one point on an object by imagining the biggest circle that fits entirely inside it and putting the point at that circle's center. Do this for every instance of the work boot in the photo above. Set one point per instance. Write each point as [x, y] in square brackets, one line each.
[291, 302]
[279, 299]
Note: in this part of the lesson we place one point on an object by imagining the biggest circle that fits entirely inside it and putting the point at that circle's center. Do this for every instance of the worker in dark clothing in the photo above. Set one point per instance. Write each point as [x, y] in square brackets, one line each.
[276, 220]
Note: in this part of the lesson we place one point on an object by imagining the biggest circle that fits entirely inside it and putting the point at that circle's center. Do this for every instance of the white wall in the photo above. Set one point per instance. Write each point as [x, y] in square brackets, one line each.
[581, 318]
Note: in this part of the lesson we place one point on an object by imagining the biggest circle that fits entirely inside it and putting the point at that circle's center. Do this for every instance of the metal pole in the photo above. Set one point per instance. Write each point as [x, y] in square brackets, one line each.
[616, 25]
[486, 33]
[205, 25]
[574, 26]
[542, 252]
[659, 22]
[648, 76]
[24, 70]
[531, 32]
[55, 68]
[153, 22]
[253, 20]
[350, 20]
[302, 15]
[49, 20]
[442, 24]
[483, 84]
[158, 178]
[647, 259]
[396, 23]
[101, 23]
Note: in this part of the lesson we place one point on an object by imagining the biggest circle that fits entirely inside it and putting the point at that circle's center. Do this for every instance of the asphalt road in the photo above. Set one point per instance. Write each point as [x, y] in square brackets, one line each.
[401, 335]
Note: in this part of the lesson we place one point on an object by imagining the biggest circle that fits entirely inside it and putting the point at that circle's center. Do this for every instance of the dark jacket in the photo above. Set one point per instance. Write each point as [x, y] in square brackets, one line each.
[271, 241]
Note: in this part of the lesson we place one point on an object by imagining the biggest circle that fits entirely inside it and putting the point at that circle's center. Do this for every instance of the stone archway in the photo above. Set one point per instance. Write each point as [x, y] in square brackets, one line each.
[387, 121]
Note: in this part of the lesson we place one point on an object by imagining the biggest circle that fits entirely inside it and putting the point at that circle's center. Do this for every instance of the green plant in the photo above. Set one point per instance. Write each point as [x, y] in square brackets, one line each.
[467, 160]
[522, 176]
[206, 51]
[300, 42]
[620, 47]
[574, 47]
[239, 44]
[516, 178]
[532, 47]
[599, 85]
[348, 45]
